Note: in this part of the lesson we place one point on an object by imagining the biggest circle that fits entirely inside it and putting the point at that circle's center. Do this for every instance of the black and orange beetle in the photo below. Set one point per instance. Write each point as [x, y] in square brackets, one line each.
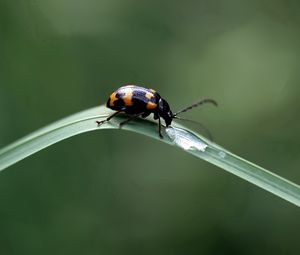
[138, 101]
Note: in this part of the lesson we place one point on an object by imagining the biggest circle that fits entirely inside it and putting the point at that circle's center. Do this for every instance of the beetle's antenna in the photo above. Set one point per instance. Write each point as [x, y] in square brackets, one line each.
[201, 102]
[205, 129]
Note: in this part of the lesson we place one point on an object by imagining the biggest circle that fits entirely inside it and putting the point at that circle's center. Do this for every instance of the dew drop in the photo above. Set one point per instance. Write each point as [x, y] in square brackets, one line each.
[185, 139]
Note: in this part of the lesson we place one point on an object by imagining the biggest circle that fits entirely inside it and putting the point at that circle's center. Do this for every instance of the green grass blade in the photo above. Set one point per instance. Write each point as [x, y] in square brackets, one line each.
[177, 135]
[240, 167]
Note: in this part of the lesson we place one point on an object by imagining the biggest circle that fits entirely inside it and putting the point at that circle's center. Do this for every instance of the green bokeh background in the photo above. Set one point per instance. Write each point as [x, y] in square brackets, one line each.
[115, 192]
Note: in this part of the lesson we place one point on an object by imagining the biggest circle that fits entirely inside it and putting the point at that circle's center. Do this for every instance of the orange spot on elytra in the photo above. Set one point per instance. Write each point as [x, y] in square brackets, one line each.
[149, 95]
[151, 106]
[127, 98]
[113, 98]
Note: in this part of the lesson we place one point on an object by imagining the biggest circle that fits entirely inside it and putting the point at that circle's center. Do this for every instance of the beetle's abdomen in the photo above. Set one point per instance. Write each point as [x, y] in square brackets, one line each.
[133, 99]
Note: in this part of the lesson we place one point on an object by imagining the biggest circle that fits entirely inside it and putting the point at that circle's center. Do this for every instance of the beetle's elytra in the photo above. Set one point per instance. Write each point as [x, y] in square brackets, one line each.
[138, 101]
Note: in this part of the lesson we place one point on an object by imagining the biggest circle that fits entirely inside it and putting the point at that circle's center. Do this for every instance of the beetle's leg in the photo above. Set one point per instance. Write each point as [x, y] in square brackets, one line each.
[111, 116]
[130, 119]
[159, 128]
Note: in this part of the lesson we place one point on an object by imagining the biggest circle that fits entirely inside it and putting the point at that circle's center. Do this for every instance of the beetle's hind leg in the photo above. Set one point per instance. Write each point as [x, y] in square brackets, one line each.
[111, 116]
[133, 117]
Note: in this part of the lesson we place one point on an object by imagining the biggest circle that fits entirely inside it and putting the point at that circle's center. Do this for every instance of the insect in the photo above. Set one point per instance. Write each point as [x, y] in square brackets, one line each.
[138, 101]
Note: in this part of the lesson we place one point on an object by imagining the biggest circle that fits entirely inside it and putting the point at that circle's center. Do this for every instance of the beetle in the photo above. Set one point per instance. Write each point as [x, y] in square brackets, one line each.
[136, 101]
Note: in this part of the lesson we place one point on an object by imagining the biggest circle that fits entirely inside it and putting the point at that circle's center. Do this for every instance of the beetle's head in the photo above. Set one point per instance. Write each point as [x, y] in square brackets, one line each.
[165, 111]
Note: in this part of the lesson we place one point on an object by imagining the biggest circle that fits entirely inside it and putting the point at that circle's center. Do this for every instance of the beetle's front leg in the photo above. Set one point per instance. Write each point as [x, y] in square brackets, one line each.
[159, 128]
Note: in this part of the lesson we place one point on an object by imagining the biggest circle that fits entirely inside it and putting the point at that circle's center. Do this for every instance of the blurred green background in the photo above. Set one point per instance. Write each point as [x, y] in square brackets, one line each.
[115, 192]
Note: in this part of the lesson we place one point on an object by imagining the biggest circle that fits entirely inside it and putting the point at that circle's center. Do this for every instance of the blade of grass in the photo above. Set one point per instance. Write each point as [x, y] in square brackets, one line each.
[178, 135]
